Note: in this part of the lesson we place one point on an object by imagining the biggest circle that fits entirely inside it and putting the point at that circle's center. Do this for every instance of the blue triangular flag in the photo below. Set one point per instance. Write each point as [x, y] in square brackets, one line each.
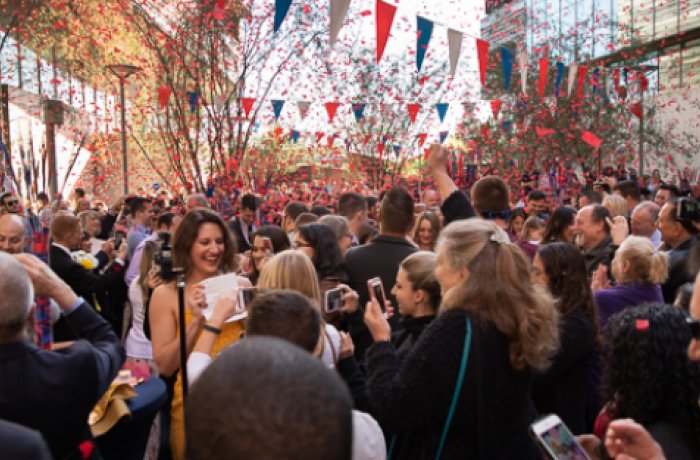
[442, 110]
[192, 98]
[443, 136]
[281, 10]
[425, 31]
[359, 110]
[560, 77]
[277, 105]
[507, 126]
[397, 150]
[295, 136]
[507, 64]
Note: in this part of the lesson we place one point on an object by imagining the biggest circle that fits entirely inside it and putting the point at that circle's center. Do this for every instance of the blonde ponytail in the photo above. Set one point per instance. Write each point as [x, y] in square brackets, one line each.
[658, 271]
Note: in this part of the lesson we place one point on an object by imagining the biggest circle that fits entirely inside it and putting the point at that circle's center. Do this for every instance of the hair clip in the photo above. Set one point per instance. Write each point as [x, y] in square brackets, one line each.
[641, 325]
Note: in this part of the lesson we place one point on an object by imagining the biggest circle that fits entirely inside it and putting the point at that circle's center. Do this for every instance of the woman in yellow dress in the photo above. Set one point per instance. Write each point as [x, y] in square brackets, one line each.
[204, 248]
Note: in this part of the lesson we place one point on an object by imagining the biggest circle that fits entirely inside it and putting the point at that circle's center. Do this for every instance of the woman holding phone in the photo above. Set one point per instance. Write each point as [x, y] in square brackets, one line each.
[464, 388]
[267, 241]
[203, 248]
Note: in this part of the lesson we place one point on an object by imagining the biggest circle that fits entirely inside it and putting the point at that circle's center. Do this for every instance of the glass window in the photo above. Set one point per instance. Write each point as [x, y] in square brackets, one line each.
[691, 64]
[669, 68]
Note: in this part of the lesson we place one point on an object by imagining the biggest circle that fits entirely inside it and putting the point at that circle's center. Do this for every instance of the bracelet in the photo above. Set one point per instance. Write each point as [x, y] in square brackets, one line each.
[210, 328]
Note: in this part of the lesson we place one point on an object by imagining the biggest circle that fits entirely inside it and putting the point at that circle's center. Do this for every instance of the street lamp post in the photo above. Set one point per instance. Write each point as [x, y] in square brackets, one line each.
[123, 71]
[642, 69]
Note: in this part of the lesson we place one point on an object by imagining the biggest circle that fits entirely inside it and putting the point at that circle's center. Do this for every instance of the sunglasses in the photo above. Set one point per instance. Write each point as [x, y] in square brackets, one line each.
[694, 326]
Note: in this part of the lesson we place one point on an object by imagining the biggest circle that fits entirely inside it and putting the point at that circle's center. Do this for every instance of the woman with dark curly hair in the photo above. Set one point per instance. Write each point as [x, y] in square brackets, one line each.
[564, 388]
[560, 226]
[319, 242]
[649, 378]
[259, 254]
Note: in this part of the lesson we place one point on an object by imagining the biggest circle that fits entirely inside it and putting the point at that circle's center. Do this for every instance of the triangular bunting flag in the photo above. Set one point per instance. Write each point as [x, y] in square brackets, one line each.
[443, 136]
[496, 107]
[331, 107]
[522, 65]
[192, 99]
[542, 82]
[507, 65]
[454, 39]
[581, 78]
[442, 110]
[397, 150]
[591, 139]
[303, 108]
[413, 111]
[247, 103]
[384, 20]
[277, 105]
[421, 138]
[339, 10]
[281, 9]
[319, 136]
[482, 49]
[164, 93]
[573, 67]
[636, 109]
[295, 136]
[359, 111]
[559, 78]
[425, 31]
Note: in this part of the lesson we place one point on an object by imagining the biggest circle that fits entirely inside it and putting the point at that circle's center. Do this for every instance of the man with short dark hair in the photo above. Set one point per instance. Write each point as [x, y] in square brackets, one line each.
[234, 410]
[588, 198]
[353, 207]
[678, 237]
[665, 193]
[141, 215]
[537, 203]
[292, 210]
[244, 225]
[593, 235]
[630, 191]
[51, 391]
[381, 258]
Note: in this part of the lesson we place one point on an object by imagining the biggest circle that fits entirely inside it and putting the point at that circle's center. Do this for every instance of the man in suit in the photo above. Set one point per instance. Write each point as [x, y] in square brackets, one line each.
[51, 391]
[65, 230]
[22, 443]
[244, 226]
[678, 236]
[380, 258]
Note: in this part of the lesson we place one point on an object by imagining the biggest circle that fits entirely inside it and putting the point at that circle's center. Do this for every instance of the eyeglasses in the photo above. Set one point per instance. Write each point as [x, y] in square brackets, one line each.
[11, 203]
[694, 326]
[300, 244]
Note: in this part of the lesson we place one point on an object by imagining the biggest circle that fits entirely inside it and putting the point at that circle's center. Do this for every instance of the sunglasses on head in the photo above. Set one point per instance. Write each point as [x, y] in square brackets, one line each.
[694, 326]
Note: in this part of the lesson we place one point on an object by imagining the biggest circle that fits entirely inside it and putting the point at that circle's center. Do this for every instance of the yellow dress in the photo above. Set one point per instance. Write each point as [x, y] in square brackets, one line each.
[230, 333]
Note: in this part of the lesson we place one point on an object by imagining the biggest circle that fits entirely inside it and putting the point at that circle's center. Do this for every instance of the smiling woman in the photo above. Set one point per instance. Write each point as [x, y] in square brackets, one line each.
[203, 247]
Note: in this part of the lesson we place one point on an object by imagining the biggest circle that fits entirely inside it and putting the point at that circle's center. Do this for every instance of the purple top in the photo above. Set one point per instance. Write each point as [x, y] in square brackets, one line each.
[616, 298]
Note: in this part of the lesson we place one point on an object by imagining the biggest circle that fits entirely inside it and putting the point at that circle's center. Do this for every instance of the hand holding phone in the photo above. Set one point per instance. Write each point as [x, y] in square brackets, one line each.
[246, 297]
[376, 292]
[333, 299]
[555, 440]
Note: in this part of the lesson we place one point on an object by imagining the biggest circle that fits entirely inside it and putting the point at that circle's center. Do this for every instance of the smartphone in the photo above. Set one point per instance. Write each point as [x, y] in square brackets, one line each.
[333, 299]
[555, 440]
[117, 243]
[246, 297]
[376, 292]
[267, 244]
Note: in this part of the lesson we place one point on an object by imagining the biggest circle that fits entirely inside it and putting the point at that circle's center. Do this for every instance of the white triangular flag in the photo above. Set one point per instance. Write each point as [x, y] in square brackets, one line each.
[339, 9]
[573, 70]
[522, 64]
[303, 108]
[454, 38]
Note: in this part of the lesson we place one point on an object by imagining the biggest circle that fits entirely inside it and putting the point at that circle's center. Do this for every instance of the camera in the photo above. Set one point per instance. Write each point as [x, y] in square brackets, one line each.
[688, 210]
[164, 257]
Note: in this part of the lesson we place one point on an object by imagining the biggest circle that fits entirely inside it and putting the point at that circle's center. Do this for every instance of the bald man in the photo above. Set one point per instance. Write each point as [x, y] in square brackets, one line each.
[52, 392]
[12, 234]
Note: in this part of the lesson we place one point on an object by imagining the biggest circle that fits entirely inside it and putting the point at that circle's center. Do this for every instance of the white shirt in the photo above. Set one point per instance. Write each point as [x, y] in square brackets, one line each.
[137, 345]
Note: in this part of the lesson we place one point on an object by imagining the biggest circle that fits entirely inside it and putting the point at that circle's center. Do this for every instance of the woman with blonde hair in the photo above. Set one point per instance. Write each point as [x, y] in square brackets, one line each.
[294, 270]
[203, 248]
[616, 205]
[639, 270]
[464, 389]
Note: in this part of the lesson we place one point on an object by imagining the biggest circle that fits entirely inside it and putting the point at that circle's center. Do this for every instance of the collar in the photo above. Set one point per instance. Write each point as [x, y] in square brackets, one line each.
[141, 228]
[413, 325]
[607, 241]
[392, 239]
[65, 249]
[15, 349]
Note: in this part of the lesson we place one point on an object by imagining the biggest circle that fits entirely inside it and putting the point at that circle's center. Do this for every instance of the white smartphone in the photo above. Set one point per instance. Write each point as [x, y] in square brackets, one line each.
[556, 440]
[333, 299]
[376, 292]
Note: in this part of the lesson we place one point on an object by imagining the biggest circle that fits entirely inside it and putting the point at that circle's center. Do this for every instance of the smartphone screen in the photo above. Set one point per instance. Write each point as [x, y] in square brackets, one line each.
[246, 297]
[267, 244]
[334, 299]
[377, 291]
[556, 440]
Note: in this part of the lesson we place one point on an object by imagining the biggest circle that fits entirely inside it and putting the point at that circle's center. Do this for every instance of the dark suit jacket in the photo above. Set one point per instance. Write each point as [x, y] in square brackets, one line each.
[89, 285]
[22, 443]
[54, 391]
[235, 227]
[379, 258]
[678, 273]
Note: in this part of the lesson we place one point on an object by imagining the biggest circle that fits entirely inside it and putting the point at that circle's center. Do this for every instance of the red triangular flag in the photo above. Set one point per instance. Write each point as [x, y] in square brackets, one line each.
[247, 103]
[331, 107]
[413, 111]
[385, 17]
[636, 109]
[319, 135]
[581, 77]
[366, 139]
[496, 107]
[482, 49]
[380, 148]
[543, 131]
[164, 93]
[591, 139]
[542, 83]
[485, 131]
[421, 138]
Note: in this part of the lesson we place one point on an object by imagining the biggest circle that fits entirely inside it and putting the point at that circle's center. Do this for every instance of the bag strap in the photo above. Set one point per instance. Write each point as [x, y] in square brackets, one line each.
[458, 387]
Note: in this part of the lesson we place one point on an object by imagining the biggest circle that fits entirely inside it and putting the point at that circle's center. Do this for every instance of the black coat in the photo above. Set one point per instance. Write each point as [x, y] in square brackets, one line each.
[242, 244]
[53, 392]
[678, 273]
[411, 396]
[379, 258]
[90, 286]
[22, 443]
[562, 389]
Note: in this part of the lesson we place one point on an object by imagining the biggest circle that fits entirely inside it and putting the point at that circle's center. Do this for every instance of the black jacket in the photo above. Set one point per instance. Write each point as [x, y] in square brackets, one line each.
[379, 258]
[562, 389]
[235, 227]
[411, 396]
[411, 330]
[602, 254]
[90, 286]
[678, 273]
[53, 392]
[22, 443]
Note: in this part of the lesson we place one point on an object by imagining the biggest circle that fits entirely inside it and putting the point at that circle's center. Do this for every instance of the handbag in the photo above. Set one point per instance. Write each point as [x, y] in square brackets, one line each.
[455, 396]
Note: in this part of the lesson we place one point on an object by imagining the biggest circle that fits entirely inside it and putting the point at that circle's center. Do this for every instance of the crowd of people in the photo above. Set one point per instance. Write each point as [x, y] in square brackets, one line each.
[460, 318]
